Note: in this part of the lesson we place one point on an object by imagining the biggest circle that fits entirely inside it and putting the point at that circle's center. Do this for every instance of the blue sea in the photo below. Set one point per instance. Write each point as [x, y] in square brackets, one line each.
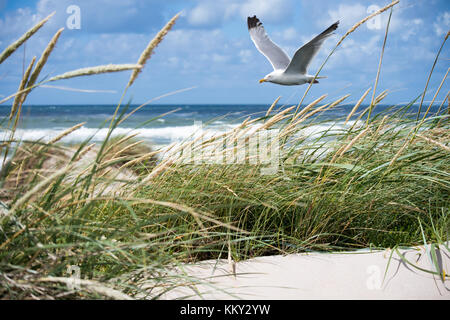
[46, 121]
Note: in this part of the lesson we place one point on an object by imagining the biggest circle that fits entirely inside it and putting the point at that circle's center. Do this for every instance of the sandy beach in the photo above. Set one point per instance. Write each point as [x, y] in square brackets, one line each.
[321, 276]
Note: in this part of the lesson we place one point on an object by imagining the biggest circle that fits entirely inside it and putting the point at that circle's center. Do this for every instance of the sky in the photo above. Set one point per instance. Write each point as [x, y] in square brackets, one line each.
[209, 49]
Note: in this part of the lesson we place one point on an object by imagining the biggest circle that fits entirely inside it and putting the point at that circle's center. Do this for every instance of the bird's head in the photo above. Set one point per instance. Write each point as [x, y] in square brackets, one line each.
[267, 78]
[271, 77]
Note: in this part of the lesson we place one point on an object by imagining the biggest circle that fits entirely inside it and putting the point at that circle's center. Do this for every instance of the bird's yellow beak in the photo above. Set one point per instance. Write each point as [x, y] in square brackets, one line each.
[262, 80]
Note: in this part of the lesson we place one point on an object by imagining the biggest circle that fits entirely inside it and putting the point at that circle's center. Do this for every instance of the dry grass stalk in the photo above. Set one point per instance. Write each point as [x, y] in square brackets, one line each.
[90, 285]
[334, 104]
[437, 143]
[196, 214]
[243, 132]
[22, 85]
[39, 186]
[107, 164]
[140, 159]
[344, 149]
[447, 98]
[169, 148]
[372, 102]
[400, 151]
[121, 141]
[357, 105]
[380, 126]
[322, 108]
[235, 133]
[360, 117]
[435, 95]
[66, 133]
[380, 97]
[291, 128]
[15, 94]
[43, 60]
[96, 70]
[76, 90]
[277, 118]
[245, 122]
[313, 112]
[24, 228]
[448, 106]
[85, 151]
[231, 262]
[192, 143]
[309, 106]
[272, 106]
[128, 147]
[146, 54]
[429, 76]
[13, 47]
[158, 170]
[40, 64]
[273, 121]
[357, 25]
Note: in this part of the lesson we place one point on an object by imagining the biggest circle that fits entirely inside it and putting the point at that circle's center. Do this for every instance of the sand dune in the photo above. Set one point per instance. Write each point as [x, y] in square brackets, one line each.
[321, 276]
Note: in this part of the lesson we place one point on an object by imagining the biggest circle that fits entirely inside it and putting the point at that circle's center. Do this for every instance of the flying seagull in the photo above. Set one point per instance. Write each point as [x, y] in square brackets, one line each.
[286, 71]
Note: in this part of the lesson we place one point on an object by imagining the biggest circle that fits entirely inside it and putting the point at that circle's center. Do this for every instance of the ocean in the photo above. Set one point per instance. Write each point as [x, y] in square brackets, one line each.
[47, 121]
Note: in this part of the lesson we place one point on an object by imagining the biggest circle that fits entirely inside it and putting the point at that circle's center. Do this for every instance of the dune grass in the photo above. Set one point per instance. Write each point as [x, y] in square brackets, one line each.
[126, 217]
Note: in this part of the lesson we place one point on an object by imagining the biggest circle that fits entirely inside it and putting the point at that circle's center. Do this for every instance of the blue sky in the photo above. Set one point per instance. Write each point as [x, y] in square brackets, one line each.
[210, 48]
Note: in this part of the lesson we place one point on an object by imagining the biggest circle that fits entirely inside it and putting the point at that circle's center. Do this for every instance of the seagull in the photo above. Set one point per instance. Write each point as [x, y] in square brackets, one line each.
[287, 72]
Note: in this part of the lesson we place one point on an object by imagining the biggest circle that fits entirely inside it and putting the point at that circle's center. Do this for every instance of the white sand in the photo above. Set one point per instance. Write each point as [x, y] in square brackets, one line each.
[321, 276]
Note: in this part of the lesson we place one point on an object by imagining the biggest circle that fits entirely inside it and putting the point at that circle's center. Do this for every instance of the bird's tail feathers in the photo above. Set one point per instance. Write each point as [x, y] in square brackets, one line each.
[315, 79]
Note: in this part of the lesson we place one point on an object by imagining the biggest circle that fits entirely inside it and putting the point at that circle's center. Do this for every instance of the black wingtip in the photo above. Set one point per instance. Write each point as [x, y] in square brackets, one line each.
[253, 22]
[331, 28]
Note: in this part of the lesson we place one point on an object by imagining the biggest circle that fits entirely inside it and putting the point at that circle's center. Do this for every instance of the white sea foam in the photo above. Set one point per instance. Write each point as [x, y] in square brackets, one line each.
[162, 135]
[167, 134]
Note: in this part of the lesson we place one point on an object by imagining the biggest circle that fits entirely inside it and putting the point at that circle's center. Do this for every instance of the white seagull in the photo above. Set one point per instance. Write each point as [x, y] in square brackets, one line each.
[286, 71]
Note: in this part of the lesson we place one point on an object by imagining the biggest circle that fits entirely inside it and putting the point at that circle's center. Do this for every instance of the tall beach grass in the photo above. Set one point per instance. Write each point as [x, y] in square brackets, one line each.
[126, 217]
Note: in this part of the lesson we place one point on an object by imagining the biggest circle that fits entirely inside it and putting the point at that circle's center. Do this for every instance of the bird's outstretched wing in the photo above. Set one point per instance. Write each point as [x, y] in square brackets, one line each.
[303, 57]
[276, 56]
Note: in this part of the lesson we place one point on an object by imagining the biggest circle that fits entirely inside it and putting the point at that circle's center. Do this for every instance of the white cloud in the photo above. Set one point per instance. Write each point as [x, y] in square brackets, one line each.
[347, 14]
[245, 55]
[14, 25]
[290, 34]
[411, 28]
[203, 15]
[401, 24]
[269, 10]
[219, 58]
[208, 13]
[200, 51]
[442, 25]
